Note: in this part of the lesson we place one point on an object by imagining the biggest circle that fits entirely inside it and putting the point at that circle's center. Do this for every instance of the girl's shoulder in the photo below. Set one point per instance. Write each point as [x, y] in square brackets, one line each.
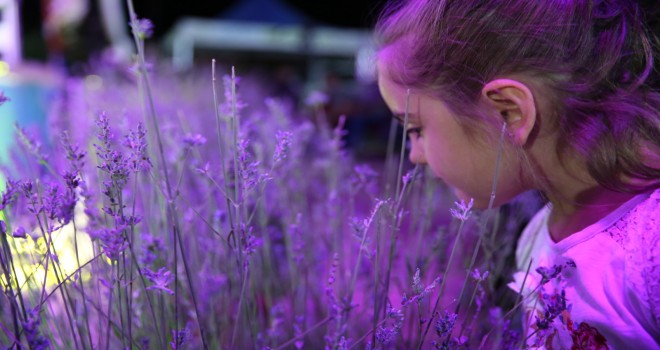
[638, 234]
[640, 225]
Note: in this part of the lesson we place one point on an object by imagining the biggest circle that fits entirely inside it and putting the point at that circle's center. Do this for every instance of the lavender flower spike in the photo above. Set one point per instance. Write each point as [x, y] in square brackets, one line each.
[160, 279]
[9, 196]
[408, 177]
[282, 147]
[462, 211]
[445, 324]
[35, 339]
[3, 98]
[195, 140]
[143, 27]
[180, 338]
[478, 276]
[136, 141]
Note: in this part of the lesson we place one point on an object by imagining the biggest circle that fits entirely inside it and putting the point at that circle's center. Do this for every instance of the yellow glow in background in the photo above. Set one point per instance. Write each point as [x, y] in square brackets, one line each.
[28, 254]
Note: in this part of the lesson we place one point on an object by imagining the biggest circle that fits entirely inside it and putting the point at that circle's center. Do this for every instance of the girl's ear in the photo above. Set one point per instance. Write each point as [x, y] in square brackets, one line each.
[514, 103]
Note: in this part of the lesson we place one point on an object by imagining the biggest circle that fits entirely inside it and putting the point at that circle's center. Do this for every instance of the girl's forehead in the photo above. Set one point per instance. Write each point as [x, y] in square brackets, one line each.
[391, 59]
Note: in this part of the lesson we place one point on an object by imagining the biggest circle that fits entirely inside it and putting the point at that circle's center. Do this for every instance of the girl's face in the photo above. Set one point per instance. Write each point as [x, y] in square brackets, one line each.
[437, 139]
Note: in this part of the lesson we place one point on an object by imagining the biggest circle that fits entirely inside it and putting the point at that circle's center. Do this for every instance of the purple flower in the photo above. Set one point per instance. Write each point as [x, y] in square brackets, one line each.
[194, 140]
[151, 246]
[180, 338]
[3, 227]
[409, 176]
[71, 180]
[417, 285]
[9, 195]
[445, 324]
[19, 233]
[66, 206]
[553, 306]
[104, 133]
[112, 241]
[31, 331]
[570, 263]
[282, 146]
[58, 205]
[111, 161]
[548, 274]
[129, 220]
[510, 339]
[278, 319]
[134, 69]
[419, 291]
[249, 172]
[343, 344]
[50, 199]
[142, 27]
[205, 169]
[3, 98]
[27, 189]
[138, 159]
[329, 288]
[144, 343]
[251, 244]
[386, 335]
[462, 211]
[298, 331]
[73, 153]
[478, 276]
[160, 280]
[227, 107]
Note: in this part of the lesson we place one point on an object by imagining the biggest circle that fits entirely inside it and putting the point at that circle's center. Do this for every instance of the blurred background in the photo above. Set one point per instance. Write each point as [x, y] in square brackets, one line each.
[305, 52]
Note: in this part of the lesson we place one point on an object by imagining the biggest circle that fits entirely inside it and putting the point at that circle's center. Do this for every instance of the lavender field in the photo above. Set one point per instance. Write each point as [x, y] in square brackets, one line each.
[171, 211]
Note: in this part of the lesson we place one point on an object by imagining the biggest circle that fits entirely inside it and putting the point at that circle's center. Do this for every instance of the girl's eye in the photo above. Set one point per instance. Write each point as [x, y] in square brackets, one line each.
[416, 131]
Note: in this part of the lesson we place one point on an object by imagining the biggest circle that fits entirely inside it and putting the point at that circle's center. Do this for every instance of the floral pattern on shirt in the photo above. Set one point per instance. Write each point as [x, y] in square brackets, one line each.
[552, 327]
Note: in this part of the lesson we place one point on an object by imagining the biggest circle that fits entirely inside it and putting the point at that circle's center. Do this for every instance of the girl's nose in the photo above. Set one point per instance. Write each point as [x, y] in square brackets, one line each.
[416, 155]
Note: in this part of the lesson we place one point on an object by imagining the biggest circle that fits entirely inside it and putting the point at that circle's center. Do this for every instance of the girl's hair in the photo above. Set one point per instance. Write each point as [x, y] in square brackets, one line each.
[593, 61]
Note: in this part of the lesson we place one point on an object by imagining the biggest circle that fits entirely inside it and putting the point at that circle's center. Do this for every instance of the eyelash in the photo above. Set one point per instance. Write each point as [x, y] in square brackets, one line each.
[417, 131]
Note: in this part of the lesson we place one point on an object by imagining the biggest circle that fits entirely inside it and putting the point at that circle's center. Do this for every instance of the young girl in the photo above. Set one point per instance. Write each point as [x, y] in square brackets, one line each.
[557, 96]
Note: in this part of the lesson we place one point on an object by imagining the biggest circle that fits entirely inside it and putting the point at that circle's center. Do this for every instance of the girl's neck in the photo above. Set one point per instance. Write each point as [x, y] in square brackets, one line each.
[574, 213]
[577, 199]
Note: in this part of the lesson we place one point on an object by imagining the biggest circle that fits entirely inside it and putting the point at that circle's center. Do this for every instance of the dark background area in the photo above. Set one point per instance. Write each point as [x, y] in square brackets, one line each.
[342, 13]
[164, 14]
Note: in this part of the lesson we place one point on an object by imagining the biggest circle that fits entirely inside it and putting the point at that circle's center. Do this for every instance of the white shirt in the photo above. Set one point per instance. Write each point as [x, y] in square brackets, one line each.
[615, 285]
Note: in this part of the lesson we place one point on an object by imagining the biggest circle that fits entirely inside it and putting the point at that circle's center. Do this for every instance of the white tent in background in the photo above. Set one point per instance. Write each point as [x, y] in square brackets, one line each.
[265, 26]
